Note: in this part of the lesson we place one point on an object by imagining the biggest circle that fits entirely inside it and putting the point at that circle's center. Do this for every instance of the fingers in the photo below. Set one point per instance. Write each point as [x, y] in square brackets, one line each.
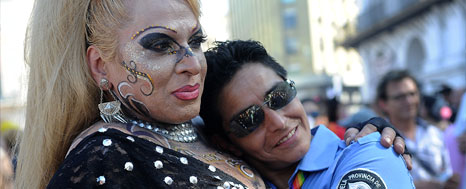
[399, 145]
[350, 134]
[409, 163]
[388, 136]
[367, 129]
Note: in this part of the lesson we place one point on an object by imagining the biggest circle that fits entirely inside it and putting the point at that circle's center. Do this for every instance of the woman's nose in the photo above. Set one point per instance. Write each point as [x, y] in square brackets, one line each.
[189, 63]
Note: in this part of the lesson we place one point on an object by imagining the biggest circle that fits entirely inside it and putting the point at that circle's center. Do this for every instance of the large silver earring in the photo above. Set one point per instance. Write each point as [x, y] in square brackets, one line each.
[109, 111]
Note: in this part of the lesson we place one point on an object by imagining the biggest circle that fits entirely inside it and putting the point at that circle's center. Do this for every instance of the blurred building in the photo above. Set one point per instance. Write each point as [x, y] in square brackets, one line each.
[283, 27]
[301, 34]
[343, 65]
[426, 37]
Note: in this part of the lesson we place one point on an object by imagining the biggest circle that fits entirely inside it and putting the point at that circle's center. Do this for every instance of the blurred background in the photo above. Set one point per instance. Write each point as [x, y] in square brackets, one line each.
[333, 49]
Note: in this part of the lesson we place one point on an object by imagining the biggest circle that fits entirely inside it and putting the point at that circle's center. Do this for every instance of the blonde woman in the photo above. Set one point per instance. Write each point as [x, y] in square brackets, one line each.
[140, 61]
[113, 86]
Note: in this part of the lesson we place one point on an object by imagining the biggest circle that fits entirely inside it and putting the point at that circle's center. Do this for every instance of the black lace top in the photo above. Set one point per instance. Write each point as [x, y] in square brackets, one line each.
[113, 159]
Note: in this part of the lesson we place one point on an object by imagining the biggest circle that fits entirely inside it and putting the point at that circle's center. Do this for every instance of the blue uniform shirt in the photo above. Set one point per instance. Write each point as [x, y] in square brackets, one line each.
[329, 163]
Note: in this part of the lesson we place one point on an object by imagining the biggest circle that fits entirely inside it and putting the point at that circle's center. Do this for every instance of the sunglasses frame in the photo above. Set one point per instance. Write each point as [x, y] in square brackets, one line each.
[240, 129]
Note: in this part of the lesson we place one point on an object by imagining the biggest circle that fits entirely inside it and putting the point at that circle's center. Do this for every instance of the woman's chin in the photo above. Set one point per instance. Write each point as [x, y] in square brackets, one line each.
[182, 115]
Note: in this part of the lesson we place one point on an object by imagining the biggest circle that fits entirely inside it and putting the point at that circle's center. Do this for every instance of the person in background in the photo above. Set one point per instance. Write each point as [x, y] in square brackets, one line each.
[455, 140]
[312, 110]
[398, 96]
[365, 112]
[334, 109]
[251, 106]
[448, 96]
[435, 111]
[6, 168]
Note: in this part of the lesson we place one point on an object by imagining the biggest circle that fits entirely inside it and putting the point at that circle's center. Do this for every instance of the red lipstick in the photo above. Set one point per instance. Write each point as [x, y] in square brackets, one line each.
[187, 92]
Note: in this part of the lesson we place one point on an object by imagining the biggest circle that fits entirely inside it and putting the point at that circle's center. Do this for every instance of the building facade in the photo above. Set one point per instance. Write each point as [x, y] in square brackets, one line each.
[426, 37]
[343, 65]
[301, 35]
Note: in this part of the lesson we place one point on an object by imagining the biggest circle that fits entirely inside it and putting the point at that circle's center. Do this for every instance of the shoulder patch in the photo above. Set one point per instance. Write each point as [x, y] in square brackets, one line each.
[361, 179]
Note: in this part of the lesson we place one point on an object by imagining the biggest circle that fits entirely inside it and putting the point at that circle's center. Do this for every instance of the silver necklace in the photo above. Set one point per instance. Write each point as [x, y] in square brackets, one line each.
[183, 132]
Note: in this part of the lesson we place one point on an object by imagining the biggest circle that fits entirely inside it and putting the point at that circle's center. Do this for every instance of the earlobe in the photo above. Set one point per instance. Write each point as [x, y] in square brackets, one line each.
[95, 63]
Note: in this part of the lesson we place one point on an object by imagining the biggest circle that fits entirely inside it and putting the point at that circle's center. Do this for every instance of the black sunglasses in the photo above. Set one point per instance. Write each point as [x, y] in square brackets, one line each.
[250, 119]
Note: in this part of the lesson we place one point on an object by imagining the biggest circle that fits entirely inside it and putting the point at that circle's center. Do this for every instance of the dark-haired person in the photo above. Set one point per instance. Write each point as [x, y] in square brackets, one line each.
[398, 97]
[252, 107]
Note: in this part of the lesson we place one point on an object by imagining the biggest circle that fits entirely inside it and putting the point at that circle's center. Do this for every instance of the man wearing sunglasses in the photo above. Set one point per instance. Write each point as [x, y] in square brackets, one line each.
[252, 109]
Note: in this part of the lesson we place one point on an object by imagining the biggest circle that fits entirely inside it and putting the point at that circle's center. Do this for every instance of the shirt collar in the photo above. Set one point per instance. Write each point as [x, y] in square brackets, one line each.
[324, 146]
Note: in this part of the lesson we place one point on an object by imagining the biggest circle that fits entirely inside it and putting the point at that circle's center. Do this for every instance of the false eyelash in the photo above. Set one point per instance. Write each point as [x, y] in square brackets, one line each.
[199, 39]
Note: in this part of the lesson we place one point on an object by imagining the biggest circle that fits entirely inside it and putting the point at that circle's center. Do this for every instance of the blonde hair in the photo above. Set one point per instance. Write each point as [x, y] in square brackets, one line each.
[62, 95]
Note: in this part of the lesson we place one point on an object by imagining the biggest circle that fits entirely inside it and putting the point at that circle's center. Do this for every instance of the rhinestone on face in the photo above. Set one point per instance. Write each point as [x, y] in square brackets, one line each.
[217, 177]
[212, 168]
[107, 142]
[226, 185]
[101, 180]
[130, 138]
[159, 149]
[219, 187]
[184, 160]
[193, 179]
[168, 180]
[128, 166]
[141, 124]
[103, 130]
[158, 164]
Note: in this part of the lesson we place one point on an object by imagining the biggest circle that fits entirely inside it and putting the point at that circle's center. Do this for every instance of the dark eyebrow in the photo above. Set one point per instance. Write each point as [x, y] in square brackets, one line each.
[198, 32]
[195, 27]
[152, 27]
[149, 39]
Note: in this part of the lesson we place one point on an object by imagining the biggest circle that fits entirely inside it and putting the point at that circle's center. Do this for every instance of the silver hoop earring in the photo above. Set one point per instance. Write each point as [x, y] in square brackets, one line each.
[109, 111]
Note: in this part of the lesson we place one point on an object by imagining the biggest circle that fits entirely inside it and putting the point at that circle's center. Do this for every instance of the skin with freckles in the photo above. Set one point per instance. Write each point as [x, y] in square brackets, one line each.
[265, 146]
[156, 65]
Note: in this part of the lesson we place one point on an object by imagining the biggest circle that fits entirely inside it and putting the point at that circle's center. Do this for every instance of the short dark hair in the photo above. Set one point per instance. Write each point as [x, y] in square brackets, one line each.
[223, 62]
[392, 76]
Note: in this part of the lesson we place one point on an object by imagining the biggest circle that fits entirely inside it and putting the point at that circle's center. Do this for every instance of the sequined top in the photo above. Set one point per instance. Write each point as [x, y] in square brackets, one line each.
[113, 159]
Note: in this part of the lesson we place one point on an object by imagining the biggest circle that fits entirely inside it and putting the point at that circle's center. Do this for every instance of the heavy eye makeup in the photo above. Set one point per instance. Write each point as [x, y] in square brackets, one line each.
[158, 42]
[197, 39]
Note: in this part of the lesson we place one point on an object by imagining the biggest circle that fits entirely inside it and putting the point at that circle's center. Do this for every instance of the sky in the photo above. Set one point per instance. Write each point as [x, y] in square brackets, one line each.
[14, 15]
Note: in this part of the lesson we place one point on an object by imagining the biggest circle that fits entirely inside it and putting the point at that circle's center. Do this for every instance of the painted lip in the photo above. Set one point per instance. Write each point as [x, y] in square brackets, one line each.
[187, 92]
[288, 138]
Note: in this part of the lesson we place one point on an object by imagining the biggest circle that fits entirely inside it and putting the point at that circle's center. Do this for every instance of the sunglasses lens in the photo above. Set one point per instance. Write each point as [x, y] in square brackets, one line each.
[282, 95]
[250, 119]
[247, 122]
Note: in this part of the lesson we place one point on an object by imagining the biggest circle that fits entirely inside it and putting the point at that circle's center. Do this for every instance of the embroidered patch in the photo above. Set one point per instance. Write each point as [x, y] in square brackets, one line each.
[361, 179]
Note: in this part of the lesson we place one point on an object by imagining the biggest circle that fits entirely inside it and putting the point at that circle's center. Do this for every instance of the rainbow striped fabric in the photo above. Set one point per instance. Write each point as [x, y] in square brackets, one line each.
[298, 180]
